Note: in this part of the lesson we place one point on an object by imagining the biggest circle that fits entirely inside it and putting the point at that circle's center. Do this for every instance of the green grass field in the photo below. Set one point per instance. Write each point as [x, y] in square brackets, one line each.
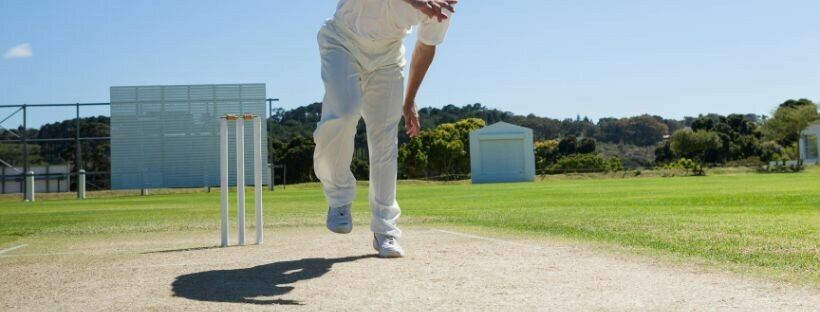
[762, 222]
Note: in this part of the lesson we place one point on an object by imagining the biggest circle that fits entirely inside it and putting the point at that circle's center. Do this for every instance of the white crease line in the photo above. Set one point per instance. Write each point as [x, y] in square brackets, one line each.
[12, 248]
[501, 241]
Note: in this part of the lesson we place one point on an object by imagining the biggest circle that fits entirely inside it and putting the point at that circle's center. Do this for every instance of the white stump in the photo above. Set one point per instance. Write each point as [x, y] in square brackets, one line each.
[223, 179]
[240, 179]
[257, 176]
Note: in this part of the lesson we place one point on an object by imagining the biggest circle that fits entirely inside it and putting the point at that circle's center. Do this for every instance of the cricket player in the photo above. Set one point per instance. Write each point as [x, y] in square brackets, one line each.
[362, 69]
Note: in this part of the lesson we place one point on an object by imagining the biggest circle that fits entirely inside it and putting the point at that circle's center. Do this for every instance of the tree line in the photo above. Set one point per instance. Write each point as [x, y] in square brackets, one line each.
[562, 145]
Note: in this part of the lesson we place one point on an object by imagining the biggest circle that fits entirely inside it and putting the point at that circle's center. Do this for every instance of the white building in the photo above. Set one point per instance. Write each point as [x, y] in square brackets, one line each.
[810, 144]
[502, 152]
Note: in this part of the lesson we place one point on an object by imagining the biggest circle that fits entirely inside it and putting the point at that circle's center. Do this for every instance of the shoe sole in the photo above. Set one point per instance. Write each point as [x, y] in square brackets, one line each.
[341, 231]
[387, 255]
[391, 255]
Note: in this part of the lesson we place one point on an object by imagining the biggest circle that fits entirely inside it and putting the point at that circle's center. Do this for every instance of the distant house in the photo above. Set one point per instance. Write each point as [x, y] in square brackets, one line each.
[502, 152]
[810, 144]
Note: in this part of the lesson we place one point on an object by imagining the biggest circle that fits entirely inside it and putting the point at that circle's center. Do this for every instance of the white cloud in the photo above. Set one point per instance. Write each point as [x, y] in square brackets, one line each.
[19, 51]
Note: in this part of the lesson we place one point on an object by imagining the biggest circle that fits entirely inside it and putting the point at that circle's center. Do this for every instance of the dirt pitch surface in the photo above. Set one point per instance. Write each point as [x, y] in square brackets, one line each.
[310, 269]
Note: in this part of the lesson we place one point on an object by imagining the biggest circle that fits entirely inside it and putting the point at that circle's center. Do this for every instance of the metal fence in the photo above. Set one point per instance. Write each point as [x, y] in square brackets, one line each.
[21, 138]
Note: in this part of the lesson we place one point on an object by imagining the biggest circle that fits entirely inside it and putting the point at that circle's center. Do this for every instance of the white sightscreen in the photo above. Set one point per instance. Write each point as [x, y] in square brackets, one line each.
[168, 136]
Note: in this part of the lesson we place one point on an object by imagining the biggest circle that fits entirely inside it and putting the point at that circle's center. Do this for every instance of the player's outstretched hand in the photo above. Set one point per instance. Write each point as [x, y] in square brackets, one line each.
[411, 120]
[434, 8]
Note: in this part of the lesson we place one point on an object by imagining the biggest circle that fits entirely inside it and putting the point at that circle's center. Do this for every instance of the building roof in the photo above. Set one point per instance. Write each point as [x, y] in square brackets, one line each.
[813, 128]
[502, 127]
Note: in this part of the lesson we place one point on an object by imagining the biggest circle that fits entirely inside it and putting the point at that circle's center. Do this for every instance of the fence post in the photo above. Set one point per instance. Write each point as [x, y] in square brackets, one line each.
[81, 184]
[48, 178]
[271, 184]
[30, 186]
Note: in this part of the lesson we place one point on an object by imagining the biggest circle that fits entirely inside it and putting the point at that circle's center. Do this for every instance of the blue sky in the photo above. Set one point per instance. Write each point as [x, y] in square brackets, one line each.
[551, 58]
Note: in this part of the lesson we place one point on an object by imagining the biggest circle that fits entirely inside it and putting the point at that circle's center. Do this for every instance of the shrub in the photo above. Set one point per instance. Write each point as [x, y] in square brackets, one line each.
[784, 166]
[771, 151]
[751, 162]
[614, 164]
[683, 164]
[546, 153]
[579, 163]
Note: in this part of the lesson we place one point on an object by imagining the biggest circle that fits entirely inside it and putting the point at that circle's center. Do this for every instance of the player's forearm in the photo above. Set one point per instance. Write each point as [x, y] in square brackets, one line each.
[422, 58]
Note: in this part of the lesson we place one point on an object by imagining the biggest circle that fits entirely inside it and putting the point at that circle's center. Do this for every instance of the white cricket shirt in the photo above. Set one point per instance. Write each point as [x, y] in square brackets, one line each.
[389, 20]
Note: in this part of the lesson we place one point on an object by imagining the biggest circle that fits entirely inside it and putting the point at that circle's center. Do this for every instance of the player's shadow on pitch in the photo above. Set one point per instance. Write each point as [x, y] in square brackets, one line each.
[254, 285]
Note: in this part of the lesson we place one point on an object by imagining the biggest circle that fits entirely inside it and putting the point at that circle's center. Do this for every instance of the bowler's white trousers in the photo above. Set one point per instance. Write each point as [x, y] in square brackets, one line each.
[363, 79]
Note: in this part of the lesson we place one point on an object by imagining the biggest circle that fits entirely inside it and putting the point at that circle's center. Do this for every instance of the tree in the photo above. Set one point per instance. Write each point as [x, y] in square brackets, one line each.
[796, 103]
[645, 130]
[611, 130]
[664, 154]
[298, 159]
[586, 146]
[567, 145]
[413, 159]
[546, 153]
[788, 120]
[771, 151]
[695, 144]
[440, 151]
[704, 123]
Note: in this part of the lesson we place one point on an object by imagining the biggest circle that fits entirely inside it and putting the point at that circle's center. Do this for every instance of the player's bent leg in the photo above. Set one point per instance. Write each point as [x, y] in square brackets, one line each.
[335, 133]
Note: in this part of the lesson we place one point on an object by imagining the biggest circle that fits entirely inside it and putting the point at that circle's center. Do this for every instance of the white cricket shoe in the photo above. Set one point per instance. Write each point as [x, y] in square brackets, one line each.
[339, 220]
[387, 246]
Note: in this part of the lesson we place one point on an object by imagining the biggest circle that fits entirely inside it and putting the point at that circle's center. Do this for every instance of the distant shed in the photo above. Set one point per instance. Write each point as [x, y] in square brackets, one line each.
[502, 152]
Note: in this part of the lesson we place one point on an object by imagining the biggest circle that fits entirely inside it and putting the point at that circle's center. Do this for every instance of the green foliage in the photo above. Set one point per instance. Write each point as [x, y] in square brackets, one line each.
[614, 164]
[783, 167]
[751, 162]
[664, 153]
[586, 146]
[546, 153]
[567, 145]
[789, 120]
[771, 151]
[95, 153]
[13, 154]
[297, 156]
[413, 160]
[644, 130]
[694, 144]
[441, 151]
[631, 156]
[682, 164]
[627, 138]
[579, 163]
[571, 145]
